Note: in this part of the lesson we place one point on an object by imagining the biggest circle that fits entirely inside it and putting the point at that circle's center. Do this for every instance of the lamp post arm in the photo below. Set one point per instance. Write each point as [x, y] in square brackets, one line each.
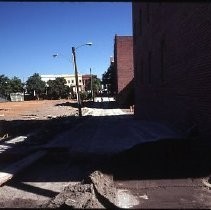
[89, 43]
[80, 46]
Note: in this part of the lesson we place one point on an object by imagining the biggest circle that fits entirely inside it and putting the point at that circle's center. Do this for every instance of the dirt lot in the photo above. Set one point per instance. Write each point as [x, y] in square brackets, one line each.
[28, 110]
[55, 171]
[23, 118]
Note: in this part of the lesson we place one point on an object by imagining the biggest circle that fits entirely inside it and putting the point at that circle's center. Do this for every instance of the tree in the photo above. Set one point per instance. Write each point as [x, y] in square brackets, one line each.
[8, 86]
[96, 85]
[35, 85]
[4, 86]
[15, 85]
[58, 89]
[109, 79]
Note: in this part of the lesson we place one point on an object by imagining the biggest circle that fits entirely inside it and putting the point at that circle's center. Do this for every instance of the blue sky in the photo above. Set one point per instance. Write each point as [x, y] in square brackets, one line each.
[30, 32]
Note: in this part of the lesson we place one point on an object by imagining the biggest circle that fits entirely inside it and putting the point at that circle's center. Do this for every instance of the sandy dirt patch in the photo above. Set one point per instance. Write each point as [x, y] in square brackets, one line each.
[27, 110]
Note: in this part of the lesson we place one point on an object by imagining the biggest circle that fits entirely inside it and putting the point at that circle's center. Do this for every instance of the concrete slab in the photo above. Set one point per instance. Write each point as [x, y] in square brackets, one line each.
[106, 133]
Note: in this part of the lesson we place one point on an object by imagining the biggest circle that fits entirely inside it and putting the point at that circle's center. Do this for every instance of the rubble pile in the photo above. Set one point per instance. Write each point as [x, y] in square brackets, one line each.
[96, 191]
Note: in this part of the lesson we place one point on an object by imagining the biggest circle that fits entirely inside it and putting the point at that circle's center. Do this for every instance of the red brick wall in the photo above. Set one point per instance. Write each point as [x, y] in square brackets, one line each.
[172, 58]
[123, 61]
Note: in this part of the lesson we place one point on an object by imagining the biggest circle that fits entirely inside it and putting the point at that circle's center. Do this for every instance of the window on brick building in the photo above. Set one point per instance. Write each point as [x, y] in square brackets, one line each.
[140, 22]
[72, 81]
[149, 67]
[162, 72]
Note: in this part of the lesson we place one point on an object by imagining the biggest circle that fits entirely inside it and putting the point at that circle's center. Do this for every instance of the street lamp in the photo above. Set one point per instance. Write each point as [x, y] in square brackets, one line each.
[76, 76]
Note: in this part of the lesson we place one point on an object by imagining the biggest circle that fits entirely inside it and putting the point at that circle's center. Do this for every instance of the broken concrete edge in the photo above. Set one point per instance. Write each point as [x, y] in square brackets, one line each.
[104, 188]
[5, 136]
[106, 202]
[76, 195]
[9, 172]
[95, 191]
[206, 182]
[85, 201]
[16, 140]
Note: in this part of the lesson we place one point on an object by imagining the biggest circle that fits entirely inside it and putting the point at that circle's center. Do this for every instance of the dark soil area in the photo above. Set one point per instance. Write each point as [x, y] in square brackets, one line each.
[39, 132]
[42, 128]
[164, 159]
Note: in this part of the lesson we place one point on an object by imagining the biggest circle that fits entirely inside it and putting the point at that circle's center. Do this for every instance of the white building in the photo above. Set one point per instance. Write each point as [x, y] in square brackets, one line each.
[70, 79]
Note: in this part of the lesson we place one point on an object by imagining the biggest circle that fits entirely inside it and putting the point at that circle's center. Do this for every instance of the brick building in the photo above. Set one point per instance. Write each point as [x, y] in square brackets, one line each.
[86, 78]
[172, 59]
[123, 64]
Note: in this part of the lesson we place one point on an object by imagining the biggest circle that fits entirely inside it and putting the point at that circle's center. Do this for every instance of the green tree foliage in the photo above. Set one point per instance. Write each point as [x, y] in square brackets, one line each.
[83, 95]
[57, 88]
[4, 86]
[96, 85]
[16, 85]
[109, 79]
[35, 86]
[8, 86]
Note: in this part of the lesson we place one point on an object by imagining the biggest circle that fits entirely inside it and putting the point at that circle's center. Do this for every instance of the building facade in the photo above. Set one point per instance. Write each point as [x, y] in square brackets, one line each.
[86, 78]
[124, 71]
[172, 62]
[70, 79]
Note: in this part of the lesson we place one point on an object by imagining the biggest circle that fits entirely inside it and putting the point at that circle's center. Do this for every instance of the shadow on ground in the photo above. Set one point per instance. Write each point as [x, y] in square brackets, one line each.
[46, 127]
[39, 132]
[163, 159]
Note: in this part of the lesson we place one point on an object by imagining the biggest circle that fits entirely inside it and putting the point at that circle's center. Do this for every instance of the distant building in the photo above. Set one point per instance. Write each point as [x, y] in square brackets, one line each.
[86, 78]
[124, 70]
[70, 79]
[172, 60]
[17, 96]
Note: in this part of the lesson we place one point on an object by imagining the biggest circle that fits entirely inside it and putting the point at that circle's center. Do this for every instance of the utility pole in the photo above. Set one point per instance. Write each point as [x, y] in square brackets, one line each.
[76, 76]
[76, 81]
